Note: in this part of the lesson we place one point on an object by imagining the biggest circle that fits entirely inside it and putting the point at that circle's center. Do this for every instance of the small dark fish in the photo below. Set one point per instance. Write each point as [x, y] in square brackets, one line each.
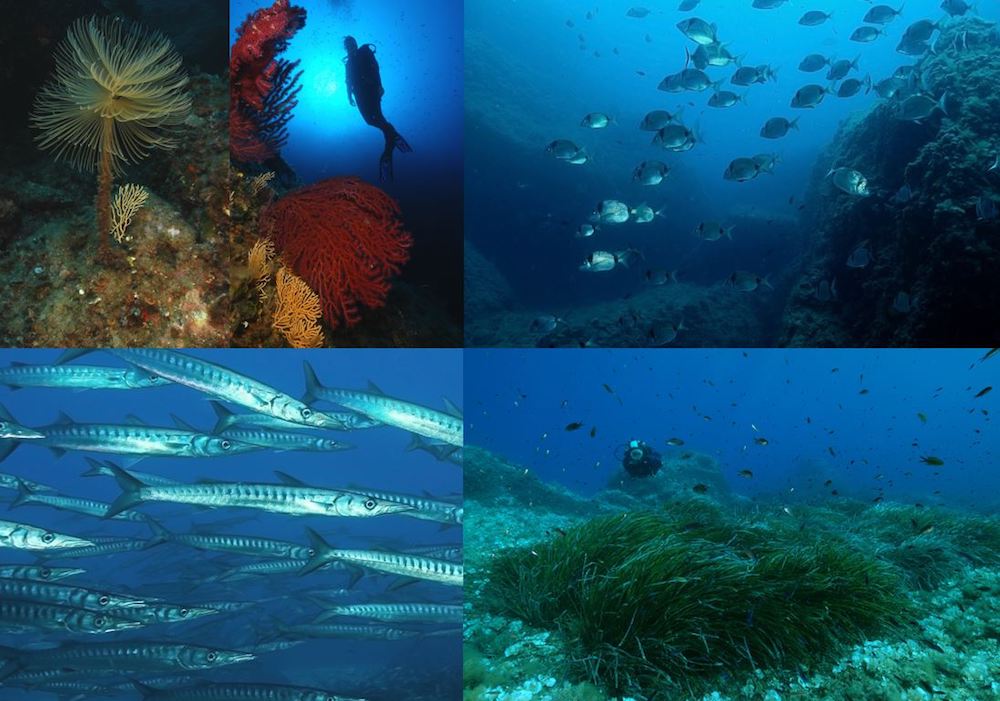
[983, 392]
[828, 483]
[989, 354]
[864, 391]
[932, 460]
[877, 499]
[932, 645]
[576, 425]
[675, 442]
[760, 441]
[832, 452]
[835, 493]
[593, 431]
[922, 416]
[745, 473]
[559, 531]
[700, 488]
[926, 529]
[607, 388]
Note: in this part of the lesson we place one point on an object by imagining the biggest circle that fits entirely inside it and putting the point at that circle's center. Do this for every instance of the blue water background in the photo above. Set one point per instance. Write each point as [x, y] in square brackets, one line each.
[380, 461]
[521, 402]
[524, 206]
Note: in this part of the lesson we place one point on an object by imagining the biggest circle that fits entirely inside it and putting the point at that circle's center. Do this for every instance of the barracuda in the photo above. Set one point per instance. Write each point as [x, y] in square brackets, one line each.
[402, 564]
[277, 440]
[127, 545]
[276, 498]
[225, 384]
[239, 544]
[65, 595]
[334, 630]
[102, 469]
[256, 569]
[218, 691]
[166, 613]
[377, 406]
[397, 613]
[421, 507]
[119, 657]
[78, 377]
[134, 438]
[32, 615]
[38, 573]
[77, 505]
[10, 429]
[25, 537]
[344, 420]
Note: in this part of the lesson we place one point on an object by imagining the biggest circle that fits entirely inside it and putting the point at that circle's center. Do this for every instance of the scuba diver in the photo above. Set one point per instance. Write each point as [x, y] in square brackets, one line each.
[640, 460]
[364, 89]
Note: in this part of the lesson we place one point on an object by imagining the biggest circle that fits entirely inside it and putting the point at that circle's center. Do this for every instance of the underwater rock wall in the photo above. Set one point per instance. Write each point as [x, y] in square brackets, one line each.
[486, 289]
[930, 246]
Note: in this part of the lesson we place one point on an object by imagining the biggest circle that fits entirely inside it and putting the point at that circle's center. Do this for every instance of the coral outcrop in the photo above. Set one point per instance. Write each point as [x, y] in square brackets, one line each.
[263, 87]
[344, 238]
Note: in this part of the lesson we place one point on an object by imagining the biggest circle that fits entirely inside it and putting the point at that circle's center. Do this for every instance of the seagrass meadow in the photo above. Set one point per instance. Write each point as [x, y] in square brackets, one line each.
[804, 526]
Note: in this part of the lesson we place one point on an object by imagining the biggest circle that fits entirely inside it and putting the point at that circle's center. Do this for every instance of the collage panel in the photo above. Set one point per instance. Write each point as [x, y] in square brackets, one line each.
[712, 525]
[732, 173]
[346, 142]
[113, 173]
[230, 525]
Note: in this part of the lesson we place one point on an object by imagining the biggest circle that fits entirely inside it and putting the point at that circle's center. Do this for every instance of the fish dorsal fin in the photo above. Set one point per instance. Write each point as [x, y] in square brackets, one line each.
[374, 388]
[289, 480]
[71, 355]
[182, 424]
[64, 419]
[133, 420]
[452, 409]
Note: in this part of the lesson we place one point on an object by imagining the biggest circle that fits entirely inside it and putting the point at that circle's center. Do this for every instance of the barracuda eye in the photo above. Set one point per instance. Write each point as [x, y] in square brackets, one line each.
[153, 378]
[212, 656]
[99, 621]
[311, 552]
[306, 413]
[104, 601]
[48, 538]
[226, 445]
[369, 504]
[45, 573]
[184, 612]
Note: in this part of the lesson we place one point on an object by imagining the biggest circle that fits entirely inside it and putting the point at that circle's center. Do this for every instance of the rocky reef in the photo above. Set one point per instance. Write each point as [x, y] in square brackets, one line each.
[926, 242]
[164, 284]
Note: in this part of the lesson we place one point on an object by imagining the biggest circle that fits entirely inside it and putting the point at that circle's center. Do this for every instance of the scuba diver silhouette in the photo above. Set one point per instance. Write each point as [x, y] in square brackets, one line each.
[364, 88]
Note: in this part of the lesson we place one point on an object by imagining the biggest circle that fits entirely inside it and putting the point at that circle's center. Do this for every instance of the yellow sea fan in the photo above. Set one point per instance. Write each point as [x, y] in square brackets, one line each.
[118, 92]
[260, 182]
[128, 200]
[298, 311]
[259, 258]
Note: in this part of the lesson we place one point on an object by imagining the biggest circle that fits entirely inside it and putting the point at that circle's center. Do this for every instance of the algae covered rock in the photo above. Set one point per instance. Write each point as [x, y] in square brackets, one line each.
[932, 276]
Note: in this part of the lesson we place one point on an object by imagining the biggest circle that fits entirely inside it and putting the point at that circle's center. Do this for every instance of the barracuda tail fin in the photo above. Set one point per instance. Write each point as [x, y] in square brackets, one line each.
[7, 445]
[130, 496]
[225, 417]
[96, 468]
[23, 495]
[321, 552]
[313, 385]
